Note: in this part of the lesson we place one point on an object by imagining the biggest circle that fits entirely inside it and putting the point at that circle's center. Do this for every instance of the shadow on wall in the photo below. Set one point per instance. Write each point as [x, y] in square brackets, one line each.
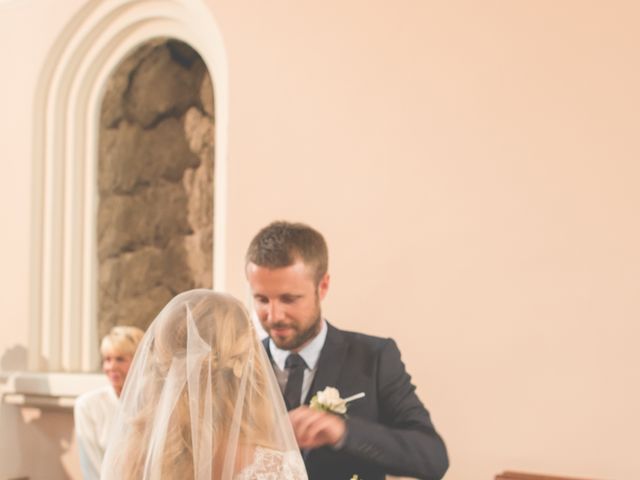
[14, 359]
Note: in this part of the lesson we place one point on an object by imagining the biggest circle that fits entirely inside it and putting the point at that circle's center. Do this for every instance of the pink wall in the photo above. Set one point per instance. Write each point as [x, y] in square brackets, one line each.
[474, 167]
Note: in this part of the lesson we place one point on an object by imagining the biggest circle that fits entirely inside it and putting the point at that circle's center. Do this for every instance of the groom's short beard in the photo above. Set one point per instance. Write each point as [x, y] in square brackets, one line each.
[304, 336]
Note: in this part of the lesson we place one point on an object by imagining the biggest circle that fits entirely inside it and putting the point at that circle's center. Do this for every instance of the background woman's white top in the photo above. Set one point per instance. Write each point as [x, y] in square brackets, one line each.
[94, 412]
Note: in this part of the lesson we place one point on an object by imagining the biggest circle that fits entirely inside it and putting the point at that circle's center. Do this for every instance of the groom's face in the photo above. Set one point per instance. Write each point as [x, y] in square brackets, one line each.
[287, 302]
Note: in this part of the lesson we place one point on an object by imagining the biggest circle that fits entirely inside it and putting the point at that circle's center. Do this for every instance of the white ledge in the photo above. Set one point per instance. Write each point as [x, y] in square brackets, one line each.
[47, 390]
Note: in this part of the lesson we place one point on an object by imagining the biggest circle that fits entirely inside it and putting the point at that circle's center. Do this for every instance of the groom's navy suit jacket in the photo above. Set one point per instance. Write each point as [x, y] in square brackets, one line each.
[389, 431]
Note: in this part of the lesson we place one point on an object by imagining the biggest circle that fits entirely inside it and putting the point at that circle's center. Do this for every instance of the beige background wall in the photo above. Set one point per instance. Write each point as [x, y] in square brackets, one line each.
[474, 166]
[33, 442]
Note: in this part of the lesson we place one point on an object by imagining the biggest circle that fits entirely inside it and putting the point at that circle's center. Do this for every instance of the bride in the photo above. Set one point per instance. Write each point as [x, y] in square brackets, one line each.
[201, 401]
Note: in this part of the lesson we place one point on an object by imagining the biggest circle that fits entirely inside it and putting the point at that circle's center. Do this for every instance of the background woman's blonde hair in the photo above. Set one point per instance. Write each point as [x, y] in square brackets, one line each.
[224, 325]
[122, 339]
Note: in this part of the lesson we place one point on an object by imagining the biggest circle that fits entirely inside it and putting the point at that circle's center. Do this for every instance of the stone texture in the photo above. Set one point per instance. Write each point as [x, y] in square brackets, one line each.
[152, 217]
[119, 169]
[206, 95]
[133, 157]
[112, 104]
[182, 53]
[168, 150]
[155, 179]
[137, 310]
[199, 256]
[200, 203]
[132, 273]
[179, 276]
[200, 132]
[161, 86]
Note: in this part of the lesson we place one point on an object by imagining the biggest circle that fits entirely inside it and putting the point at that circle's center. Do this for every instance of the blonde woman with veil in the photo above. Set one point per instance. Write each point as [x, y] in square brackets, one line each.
[201, 401]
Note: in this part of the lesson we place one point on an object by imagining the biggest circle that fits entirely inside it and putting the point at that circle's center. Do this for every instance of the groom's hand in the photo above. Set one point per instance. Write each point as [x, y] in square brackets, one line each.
[314, 429]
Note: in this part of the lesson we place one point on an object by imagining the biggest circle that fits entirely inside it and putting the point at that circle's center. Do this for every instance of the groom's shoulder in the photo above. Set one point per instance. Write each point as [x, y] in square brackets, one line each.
[363, 337]
[364, 340]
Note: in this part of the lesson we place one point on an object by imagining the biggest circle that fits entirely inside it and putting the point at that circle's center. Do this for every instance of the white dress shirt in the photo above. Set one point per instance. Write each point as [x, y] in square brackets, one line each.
[310, 354]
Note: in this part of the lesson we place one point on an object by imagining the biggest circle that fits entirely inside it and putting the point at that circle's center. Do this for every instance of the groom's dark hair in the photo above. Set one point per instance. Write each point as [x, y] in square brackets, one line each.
[280, 244]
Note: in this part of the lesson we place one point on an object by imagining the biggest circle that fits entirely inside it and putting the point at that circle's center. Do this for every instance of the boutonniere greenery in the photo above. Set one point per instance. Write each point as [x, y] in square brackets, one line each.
[329, 400]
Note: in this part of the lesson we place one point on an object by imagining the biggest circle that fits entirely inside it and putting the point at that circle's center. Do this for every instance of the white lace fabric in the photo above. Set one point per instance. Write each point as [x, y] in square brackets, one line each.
[273, 465]
[201, 401]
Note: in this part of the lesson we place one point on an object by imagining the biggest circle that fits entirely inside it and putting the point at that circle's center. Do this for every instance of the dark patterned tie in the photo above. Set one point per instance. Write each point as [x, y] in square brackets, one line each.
[293, 391]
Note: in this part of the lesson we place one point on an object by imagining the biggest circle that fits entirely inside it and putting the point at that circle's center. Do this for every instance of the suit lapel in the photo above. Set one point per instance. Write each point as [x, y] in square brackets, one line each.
[330, 362]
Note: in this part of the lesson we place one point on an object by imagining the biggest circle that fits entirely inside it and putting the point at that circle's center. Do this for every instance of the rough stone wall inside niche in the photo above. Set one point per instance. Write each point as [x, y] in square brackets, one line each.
[155, 181]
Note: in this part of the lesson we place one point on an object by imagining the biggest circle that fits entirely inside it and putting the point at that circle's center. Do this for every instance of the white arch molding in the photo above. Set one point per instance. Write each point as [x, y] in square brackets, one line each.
[63, 325]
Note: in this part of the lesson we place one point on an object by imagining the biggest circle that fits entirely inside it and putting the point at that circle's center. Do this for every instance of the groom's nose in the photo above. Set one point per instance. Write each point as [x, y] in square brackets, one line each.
[275, 311]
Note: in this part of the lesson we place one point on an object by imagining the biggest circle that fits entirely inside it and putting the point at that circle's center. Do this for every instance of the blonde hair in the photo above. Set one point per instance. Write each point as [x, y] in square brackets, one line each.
[224, 324]
[122, 339]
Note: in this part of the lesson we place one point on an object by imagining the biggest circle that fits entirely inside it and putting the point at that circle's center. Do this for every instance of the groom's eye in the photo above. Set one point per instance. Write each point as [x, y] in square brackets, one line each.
[288, 299]
[261, 299]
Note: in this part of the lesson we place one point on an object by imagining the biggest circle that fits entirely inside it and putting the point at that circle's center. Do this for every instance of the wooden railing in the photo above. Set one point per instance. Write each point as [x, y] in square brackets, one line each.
[509, 475]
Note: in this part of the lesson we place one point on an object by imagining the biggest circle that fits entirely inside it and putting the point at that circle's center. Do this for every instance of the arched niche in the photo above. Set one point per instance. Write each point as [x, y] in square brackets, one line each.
[71, 87]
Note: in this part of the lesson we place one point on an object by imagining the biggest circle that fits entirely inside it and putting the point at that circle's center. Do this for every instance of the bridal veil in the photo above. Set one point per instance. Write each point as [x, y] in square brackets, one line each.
[201, 400]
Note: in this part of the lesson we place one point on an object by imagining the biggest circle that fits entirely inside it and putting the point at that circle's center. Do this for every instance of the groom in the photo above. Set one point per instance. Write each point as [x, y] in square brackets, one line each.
[389, 431]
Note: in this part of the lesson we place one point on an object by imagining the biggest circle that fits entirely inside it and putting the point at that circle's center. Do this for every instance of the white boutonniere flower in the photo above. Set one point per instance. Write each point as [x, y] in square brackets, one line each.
[329, 400]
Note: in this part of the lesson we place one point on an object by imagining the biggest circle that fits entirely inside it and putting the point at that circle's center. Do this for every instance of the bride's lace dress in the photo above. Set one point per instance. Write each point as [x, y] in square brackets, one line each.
[274, 465]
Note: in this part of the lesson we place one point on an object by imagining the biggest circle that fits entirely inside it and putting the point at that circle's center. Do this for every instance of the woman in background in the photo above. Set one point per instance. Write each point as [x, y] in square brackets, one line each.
[94, 411]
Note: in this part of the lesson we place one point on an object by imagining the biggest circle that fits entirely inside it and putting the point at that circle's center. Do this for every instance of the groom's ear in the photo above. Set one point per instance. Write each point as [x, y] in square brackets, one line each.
[323, 286]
